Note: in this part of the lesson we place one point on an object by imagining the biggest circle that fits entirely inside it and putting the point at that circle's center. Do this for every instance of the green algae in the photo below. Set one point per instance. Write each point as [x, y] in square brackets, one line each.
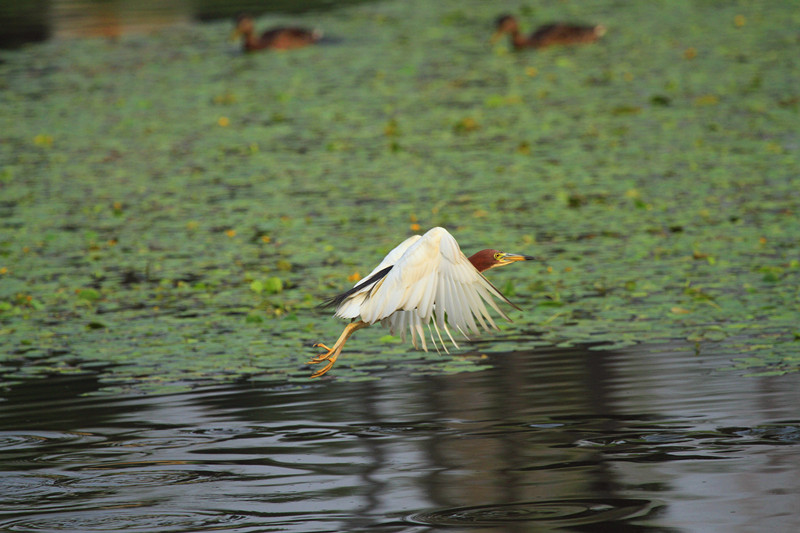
[174, 211]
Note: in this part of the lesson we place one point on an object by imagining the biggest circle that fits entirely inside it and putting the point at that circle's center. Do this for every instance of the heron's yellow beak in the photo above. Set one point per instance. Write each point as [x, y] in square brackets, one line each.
[505, 258]
[235, 34]
[495, 36]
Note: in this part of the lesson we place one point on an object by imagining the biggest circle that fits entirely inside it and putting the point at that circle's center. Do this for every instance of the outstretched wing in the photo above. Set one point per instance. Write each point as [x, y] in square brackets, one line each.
[433, 281]
[348, 304]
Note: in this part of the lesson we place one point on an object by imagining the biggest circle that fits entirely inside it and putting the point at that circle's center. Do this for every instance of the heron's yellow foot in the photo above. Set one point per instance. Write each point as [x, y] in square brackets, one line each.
[333, 353]
[331, 358]
[321, 357]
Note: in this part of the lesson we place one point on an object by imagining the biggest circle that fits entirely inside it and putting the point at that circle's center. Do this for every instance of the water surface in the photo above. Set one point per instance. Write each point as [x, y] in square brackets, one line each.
[577, 440]
[173, 210]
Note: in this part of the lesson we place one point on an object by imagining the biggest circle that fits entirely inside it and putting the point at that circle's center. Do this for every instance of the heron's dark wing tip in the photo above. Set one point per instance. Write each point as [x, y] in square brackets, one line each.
[515, 306]
[339, 298]
[327, 303]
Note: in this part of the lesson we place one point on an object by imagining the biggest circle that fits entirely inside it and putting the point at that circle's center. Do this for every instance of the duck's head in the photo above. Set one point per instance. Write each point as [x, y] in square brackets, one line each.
[504, 24]
[244, 26]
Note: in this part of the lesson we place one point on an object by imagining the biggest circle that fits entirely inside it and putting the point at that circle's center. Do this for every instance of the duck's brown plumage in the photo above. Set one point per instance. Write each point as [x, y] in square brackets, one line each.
[280, 38]
[557, 33]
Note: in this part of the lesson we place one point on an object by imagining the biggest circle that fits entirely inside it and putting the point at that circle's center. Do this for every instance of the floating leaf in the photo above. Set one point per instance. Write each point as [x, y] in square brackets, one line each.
[88, 294]
[273, 285]
[257, 286]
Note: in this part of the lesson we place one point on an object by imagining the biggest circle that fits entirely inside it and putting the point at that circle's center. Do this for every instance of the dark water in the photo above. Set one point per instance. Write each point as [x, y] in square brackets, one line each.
[551, 439]
[38, 20]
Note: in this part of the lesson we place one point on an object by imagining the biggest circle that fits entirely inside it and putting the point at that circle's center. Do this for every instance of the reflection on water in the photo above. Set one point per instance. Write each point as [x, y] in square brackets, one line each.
[634, 440]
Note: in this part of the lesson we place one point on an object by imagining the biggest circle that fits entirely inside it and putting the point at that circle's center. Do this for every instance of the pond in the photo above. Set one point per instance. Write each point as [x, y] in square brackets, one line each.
[568, 439]
[172, 212]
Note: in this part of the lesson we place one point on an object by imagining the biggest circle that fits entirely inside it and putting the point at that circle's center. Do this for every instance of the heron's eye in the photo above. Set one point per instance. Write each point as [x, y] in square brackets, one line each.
[498, 256]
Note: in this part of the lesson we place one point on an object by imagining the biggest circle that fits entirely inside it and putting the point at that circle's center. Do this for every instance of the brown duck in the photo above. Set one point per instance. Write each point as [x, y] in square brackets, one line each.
[558, 33]
[279, 38]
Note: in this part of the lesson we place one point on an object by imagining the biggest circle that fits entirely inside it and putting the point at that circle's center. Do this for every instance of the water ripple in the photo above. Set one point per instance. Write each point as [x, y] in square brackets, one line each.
[119, 520]
[555, 513]
[10, 440]
[633, 442]
[781, 433]
[20, 490]
[140, 479]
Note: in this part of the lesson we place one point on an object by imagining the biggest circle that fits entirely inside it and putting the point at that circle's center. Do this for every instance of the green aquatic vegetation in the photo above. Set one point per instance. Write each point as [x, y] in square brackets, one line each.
[171, 211]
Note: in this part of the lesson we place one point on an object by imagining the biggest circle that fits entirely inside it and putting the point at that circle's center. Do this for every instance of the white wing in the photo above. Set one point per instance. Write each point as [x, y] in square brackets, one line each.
[433, 281]
[351, 307]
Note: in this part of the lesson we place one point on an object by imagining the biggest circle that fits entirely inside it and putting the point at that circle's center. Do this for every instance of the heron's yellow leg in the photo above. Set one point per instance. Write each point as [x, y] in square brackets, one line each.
[333, 353]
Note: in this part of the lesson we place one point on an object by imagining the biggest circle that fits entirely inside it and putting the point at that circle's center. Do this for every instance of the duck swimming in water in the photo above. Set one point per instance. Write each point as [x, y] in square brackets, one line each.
[558, 33]
[279, 38]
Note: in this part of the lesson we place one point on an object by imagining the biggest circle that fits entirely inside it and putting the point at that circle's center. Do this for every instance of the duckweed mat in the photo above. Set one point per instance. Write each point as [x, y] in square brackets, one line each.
[172, 210]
